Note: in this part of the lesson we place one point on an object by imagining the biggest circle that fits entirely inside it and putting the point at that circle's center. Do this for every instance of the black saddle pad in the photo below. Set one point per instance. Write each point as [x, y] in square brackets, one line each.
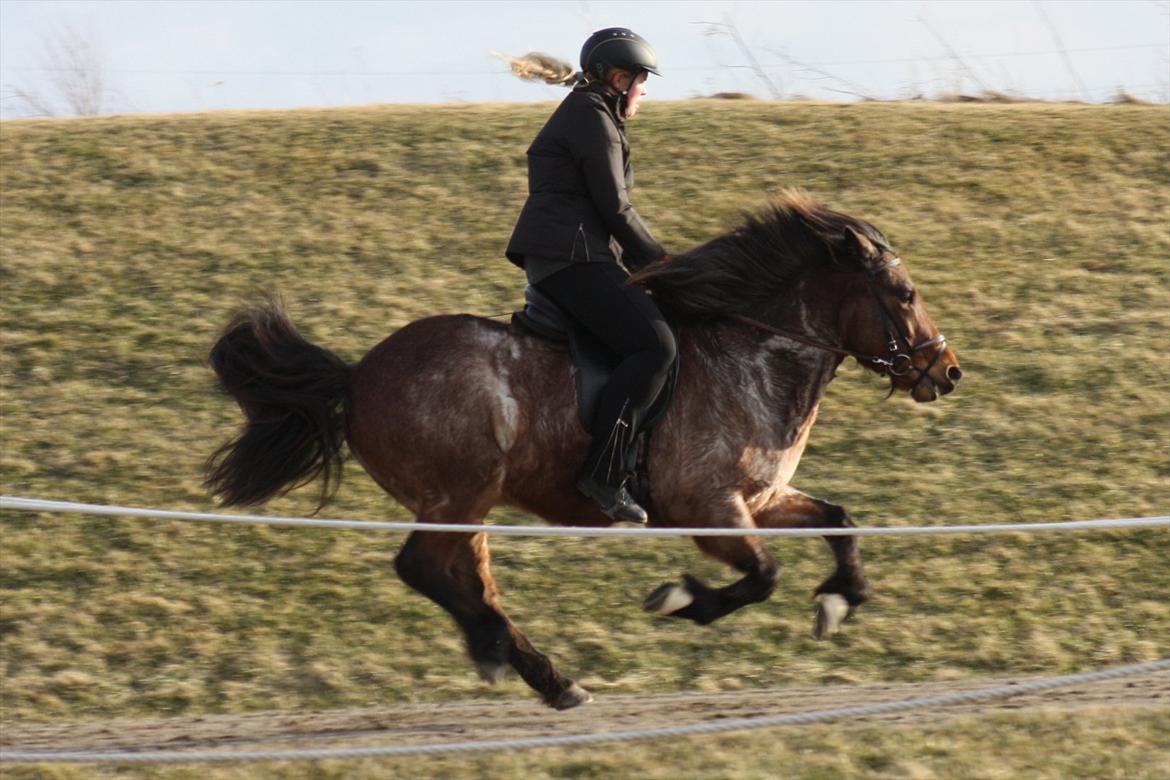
[593, 361]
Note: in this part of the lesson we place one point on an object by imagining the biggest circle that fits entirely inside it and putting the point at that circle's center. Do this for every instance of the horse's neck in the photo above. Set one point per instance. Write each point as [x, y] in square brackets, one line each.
[809, 308]
[777, 381]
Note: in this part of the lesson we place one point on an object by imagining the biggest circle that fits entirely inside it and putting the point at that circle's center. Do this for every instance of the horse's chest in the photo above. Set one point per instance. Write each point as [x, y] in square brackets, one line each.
[769, 468]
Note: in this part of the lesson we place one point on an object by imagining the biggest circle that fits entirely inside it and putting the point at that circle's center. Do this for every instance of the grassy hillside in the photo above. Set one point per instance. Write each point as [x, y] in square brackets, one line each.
[1039, 236]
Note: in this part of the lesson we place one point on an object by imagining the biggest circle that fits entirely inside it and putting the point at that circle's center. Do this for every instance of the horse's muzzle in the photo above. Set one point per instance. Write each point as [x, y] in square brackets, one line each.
[953, 375]
[939, 378]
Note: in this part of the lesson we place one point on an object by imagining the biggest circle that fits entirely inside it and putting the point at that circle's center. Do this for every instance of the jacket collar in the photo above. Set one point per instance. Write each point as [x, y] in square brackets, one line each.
[609, 96]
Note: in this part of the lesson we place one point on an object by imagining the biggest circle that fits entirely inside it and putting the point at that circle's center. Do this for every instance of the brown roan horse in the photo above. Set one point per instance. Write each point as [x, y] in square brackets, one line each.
[452, 415]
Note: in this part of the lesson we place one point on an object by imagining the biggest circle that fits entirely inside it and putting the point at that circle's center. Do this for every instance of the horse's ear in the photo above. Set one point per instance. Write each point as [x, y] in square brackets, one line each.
[858, 245]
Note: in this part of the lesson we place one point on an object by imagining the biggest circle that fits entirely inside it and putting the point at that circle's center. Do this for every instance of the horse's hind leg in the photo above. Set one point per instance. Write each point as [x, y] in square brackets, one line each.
[846, 588]
[452, 569]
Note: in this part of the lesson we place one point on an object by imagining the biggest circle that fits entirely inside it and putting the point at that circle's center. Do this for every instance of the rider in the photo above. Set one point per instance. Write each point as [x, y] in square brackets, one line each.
[576, 225]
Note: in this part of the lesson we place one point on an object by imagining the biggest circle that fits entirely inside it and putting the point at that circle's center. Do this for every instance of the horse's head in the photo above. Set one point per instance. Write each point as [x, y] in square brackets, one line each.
[883, 316]
[871, 303]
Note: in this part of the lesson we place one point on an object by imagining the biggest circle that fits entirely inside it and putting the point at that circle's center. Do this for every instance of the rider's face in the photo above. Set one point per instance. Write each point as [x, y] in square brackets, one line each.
[634, 86]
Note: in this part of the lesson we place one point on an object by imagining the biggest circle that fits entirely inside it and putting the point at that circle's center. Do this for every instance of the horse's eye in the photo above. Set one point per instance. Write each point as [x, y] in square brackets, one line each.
[906, 295]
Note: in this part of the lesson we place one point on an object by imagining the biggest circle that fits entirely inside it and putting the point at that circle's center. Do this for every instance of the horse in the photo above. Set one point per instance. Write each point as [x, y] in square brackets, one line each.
[454, 414]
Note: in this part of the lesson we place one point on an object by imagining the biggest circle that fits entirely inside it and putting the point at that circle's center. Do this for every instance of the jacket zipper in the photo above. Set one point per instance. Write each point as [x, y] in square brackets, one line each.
[584, 241]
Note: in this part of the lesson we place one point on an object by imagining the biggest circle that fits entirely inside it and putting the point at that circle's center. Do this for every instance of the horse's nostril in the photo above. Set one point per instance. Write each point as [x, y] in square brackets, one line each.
[954, 373]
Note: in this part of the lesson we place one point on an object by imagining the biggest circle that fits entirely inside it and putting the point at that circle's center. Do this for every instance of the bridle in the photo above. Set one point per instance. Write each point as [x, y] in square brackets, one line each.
[897, 363]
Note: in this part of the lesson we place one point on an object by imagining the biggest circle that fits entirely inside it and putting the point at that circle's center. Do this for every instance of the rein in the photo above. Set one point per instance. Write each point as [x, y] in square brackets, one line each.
[891, 365]
[897, 364]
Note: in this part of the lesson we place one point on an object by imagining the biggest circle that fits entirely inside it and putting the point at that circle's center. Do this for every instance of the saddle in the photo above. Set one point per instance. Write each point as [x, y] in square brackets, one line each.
[593, 362]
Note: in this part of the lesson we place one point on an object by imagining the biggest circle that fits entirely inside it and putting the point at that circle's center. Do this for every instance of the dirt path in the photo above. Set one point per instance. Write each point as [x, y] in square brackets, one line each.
[481, 720]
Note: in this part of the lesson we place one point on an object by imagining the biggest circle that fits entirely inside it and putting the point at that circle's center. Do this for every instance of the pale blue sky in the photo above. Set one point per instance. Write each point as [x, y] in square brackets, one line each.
[175, 55]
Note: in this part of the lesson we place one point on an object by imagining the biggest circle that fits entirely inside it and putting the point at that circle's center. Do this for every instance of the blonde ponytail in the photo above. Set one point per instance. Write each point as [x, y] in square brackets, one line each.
[537, 66]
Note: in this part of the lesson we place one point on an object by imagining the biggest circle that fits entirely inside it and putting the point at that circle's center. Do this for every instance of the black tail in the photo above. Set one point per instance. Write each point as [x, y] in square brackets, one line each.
[293, 395]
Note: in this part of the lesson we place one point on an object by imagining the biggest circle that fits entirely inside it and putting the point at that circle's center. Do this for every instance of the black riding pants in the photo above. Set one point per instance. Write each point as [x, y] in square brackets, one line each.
[625, 318]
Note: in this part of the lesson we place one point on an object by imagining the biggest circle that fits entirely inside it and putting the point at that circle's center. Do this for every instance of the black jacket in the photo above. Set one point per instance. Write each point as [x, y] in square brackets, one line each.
[579, 177]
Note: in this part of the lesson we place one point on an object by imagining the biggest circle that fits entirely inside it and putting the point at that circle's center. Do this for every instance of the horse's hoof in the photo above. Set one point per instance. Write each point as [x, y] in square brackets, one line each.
[572, 696]
[668, 598]
[832, 609]
[491, 671]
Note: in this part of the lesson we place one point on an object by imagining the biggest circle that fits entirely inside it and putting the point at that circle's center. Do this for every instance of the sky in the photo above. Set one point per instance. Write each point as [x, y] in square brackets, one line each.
[180, 56]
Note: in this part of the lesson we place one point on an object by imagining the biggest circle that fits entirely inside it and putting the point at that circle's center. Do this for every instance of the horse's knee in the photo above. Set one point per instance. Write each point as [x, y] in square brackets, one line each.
[759, 583]
[761, 571]
[694, 600]
[844, 547]
[767, 578]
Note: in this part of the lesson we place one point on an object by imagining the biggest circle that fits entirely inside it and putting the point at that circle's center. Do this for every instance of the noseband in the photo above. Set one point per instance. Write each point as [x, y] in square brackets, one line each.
[897, 363]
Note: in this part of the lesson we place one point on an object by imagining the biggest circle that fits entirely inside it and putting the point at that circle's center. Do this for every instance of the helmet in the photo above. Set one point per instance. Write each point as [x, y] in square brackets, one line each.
[617, 47]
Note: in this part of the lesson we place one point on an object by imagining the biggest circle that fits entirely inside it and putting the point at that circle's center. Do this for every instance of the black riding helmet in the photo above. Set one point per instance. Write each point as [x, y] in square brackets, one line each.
[617, 47]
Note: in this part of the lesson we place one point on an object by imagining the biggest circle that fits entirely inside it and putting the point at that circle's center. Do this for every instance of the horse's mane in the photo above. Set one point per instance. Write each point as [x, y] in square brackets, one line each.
[756, 260]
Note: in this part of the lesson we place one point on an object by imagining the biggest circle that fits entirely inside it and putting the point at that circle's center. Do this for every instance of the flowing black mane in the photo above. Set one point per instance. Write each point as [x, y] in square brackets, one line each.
[730, 274]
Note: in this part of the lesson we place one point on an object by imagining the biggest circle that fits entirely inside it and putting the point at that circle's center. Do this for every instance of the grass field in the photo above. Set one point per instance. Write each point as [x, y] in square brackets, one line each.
[1038, 234]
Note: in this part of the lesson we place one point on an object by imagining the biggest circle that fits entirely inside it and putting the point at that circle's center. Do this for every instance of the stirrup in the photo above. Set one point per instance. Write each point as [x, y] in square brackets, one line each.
[617, 505]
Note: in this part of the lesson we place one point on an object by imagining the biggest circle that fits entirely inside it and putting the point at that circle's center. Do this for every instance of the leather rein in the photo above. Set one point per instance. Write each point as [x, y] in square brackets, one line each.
[897, 363]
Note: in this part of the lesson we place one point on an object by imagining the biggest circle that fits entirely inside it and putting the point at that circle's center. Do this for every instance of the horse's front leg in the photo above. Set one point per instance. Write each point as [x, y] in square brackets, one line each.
[694, 600]
[846, 588]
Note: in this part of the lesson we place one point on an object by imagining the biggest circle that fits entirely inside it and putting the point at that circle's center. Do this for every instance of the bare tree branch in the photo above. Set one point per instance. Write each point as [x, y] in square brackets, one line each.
[850, 87]
[728, 27]
[74, 61]
[1063, 51]
[74, 75]
[33, 104]
[963, 66]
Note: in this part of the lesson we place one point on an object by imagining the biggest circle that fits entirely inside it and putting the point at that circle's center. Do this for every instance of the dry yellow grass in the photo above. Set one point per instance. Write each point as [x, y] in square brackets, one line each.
[1042, 745]
[1039, 235]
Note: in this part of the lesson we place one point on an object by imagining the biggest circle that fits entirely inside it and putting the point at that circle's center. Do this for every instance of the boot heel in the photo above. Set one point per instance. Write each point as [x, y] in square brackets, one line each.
[615, 502]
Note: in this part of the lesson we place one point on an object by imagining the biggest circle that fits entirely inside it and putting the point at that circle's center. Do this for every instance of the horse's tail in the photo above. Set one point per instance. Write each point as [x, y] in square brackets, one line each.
[293, 394]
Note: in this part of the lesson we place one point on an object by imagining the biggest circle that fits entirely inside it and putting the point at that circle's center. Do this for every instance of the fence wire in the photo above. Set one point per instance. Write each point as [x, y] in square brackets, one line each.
[38, 505]
[577, 740]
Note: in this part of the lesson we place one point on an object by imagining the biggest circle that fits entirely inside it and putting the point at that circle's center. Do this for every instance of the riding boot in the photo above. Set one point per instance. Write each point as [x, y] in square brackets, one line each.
[615, 501]
[604, 476]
